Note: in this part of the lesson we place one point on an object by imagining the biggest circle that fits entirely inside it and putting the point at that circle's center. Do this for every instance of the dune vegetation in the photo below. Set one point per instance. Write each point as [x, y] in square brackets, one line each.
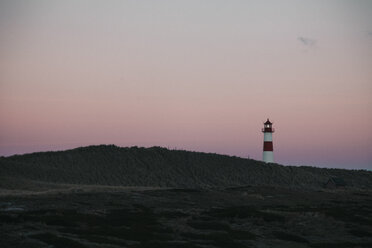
[109, 165]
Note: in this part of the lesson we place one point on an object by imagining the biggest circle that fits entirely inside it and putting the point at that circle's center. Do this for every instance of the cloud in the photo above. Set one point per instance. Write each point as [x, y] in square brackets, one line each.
[307, 41]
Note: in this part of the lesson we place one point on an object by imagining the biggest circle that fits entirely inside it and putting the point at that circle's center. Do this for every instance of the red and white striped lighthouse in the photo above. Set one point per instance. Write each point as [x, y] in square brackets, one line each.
[268, 154]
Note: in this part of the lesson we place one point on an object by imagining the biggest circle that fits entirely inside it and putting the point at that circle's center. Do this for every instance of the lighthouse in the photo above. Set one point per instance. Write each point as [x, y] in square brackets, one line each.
[268, 154]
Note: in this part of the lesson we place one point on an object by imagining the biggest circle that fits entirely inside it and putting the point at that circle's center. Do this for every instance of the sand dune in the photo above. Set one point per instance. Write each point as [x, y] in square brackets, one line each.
[159, 167]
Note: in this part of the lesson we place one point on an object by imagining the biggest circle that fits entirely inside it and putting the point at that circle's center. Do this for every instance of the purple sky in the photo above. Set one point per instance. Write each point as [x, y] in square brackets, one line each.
[195, 75]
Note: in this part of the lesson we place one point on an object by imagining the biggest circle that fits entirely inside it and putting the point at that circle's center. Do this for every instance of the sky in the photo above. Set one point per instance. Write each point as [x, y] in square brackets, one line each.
[194, 75]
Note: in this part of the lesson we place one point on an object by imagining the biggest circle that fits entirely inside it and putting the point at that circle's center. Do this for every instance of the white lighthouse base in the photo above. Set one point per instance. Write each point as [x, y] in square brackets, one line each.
[268, 157]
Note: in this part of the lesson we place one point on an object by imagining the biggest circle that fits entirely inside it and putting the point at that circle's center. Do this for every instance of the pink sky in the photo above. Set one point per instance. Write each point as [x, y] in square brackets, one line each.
[195, 75]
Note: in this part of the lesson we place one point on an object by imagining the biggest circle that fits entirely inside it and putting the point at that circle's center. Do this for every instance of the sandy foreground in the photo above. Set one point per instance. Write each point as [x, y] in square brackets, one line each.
[105, 216]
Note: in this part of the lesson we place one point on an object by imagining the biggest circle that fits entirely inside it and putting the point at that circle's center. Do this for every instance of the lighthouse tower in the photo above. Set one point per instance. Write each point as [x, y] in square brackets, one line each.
[268, 154]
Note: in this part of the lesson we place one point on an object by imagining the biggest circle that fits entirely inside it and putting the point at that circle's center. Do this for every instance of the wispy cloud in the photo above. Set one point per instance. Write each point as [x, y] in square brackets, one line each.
[307, 41]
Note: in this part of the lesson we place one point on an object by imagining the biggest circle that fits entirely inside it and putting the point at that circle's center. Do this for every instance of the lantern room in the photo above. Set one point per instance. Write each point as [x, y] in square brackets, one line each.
[268, 127]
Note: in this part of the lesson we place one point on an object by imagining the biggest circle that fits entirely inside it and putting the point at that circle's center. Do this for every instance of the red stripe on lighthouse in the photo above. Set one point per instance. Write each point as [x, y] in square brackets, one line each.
[268, 146]
[267, 130]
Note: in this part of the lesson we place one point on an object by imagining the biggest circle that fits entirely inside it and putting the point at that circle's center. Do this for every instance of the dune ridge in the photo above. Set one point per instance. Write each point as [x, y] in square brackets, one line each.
[160, 167]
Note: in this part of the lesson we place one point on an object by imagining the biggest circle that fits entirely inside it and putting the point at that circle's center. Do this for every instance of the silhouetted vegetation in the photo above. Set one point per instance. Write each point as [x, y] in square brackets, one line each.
[57, 242]
[160, 167]
[280, 217]
[79, 198]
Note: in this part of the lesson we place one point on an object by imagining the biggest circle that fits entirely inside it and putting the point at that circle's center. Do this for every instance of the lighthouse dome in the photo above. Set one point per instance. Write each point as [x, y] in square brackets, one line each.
[268, 122]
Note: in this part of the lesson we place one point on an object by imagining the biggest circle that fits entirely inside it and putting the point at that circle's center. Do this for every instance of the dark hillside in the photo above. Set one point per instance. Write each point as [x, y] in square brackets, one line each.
[112, 165]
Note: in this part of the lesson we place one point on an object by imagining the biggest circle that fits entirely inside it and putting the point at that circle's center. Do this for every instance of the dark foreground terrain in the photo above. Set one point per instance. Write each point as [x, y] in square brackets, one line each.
[249, 216]
[107, 196]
